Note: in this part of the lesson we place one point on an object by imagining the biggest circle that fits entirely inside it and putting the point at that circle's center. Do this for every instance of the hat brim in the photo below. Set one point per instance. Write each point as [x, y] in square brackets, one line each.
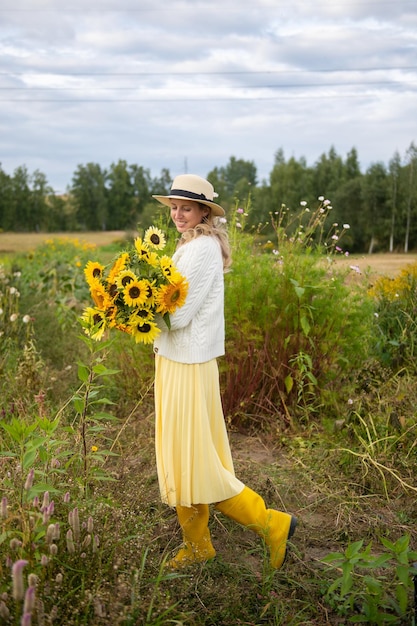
[216, 209]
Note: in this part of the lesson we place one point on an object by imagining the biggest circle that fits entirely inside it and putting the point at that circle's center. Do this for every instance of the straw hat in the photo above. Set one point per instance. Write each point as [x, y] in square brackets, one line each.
[194, 188]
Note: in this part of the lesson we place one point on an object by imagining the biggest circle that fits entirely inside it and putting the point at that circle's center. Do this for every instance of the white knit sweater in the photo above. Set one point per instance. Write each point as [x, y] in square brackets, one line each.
[197, 328]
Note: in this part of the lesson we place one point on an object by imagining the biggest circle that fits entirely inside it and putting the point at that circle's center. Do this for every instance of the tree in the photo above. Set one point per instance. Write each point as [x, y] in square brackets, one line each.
[394, 169]
[120, 198]
[411, 158]
[89, 196]
[38, 206]
[6, 200]
[375, 205]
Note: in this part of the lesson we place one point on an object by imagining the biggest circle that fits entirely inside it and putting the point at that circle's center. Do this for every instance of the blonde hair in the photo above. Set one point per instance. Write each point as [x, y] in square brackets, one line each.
[214, 227]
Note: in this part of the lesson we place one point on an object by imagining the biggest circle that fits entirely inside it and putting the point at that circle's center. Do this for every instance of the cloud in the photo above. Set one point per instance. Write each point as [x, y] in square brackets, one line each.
[191, 83]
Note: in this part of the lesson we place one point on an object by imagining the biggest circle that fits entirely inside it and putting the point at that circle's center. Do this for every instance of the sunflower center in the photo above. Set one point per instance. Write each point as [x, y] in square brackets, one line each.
[126, 280]
[175, 295]
[113, 290]
[97, 319]
[142, 313]
[96, 272]
[145, 328]
[155, 239]
[134, 292]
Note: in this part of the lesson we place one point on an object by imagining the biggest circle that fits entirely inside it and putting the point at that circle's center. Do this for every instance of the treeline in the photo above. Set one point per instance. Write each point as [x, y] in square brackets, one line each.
[380, 204]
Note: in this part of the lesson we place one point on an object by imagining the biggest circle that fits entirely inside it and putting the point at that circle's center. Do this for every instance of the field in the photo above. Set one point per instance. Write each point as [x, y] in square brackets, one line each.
[387, 264]
[11, 243]
[344, 463]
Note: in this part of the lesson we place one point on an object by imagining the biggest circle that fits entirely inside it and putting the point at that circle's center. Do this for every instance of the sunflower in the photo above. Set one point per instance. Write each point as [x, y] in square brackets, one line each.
[152, 259]
[152, 294]
[154, 238]
[143, 331]
[94, 322]
[171, 297]
[141, 249]
[141, 315]
[93, 272]
[124, 278]
[136, 292]
[101, 297]
[119, 265]
[169, 270]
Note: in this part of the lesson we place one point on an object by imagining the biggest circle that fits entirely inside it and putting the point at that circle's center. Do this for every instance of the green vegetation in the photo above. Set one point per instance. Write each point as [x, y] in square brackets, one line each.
[319, 387]
[380, 203]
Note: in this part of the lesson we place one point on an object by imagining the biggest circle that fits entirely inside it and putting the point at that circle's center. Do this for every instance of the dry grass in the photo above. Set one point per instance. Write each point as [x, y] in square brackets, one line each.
[387, 264]
[11, 243]
[383, 263]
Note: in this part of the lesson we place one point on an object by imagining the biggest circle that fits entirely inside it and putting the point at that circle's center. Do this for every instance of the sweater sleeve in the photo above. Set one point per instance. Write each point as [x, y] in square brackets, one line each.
[200, 261]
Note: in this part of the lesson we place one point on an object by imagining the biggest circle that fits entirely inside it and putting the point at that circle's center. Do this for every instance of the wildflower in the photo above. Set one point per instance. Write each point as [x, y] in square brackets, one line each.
[13, 317]
[350, 401]
[70, 542]
[1, 311]
[46, 502]
[320, 198]
[29, 479]
[303, 203]
[171, 297]
[239, 211]
[17, 576]
[238, 225]
[135, 293]
[222, 220]
[125, 277]
[143, 331]
[355, 268]
[118, 266]
[154, 238]
[346, 226]
[3, 508]
[168, 269]
[94, 448]
[26, 319]
[93, 272]
[335, 237]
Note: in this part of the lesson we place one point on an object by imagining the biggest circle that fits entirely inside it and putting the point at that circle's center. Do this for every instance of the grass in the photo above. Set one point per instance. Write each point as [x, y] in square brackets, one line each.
[347, 480]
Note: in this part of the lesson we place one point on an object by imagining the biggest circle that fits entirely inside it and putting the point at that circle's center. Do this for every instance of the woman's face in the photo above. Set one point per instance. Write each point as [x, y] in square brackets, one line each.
[186, 213]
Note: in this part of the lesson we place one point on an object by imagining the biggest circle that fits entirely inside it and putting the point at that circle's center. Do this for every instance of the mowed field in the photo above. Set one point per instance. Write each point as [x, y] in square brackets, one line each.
[388, 264]
[11, 243]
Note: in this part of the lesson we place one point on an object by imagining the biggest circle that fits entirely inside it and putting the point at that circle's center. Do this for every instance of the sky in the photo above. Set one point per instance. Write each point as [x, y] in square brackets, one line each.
[185, 85]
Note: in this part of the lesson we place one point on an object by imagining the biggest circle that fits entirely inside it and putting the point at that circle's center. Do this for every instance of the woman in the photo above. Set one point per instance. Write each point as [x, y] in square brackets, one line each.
[194, 461]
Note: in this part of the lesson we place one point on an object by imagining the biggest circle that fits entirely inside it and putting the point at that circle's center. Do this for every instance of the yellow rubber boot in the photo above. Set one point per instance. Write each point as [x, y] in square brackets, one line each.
[197, 546]
[275, 527]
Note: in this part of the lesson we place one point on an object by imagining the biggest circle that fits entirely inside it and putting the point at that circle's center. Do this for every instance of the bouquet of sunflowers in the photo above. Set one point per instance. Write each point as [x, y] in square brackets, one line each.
[139, 284]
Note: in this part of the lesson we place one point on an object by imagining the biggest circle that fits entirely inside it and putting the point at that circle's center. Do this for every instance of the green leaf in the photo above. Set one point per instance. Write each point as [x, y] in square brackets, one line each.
[305, 325]
[167, 320]
[28, 458]
[79, 405]
[289, 383]
[102, 370]
[83, 372]
[353, 549]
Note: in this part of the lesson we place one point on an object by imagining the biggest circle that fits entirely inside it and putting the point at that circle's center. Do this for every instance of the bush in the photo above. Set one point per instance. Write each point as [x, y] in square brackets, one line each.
[296, 330]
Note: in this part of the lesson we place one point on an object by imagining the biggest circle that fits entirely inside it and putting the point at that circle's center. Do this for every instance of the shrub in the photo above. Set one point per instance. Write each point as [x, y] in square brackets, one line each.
[296, 330]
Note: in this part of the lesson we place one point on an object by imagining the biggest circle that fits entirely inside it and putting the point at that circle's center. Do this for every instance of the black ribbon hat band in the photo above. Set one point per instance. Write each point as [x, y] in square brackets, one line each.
[189, 194]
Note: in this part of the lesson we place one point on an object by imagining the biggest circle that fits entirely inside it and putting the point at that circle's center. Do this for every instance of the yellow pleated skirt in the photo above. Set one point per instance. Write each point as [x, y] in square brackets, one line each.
[193, 455]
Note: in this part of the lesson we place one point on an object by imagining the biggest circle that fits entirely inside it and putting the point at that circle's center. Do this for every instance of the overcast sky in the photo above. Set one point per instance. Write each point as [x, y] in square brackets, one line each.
[185, 85]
